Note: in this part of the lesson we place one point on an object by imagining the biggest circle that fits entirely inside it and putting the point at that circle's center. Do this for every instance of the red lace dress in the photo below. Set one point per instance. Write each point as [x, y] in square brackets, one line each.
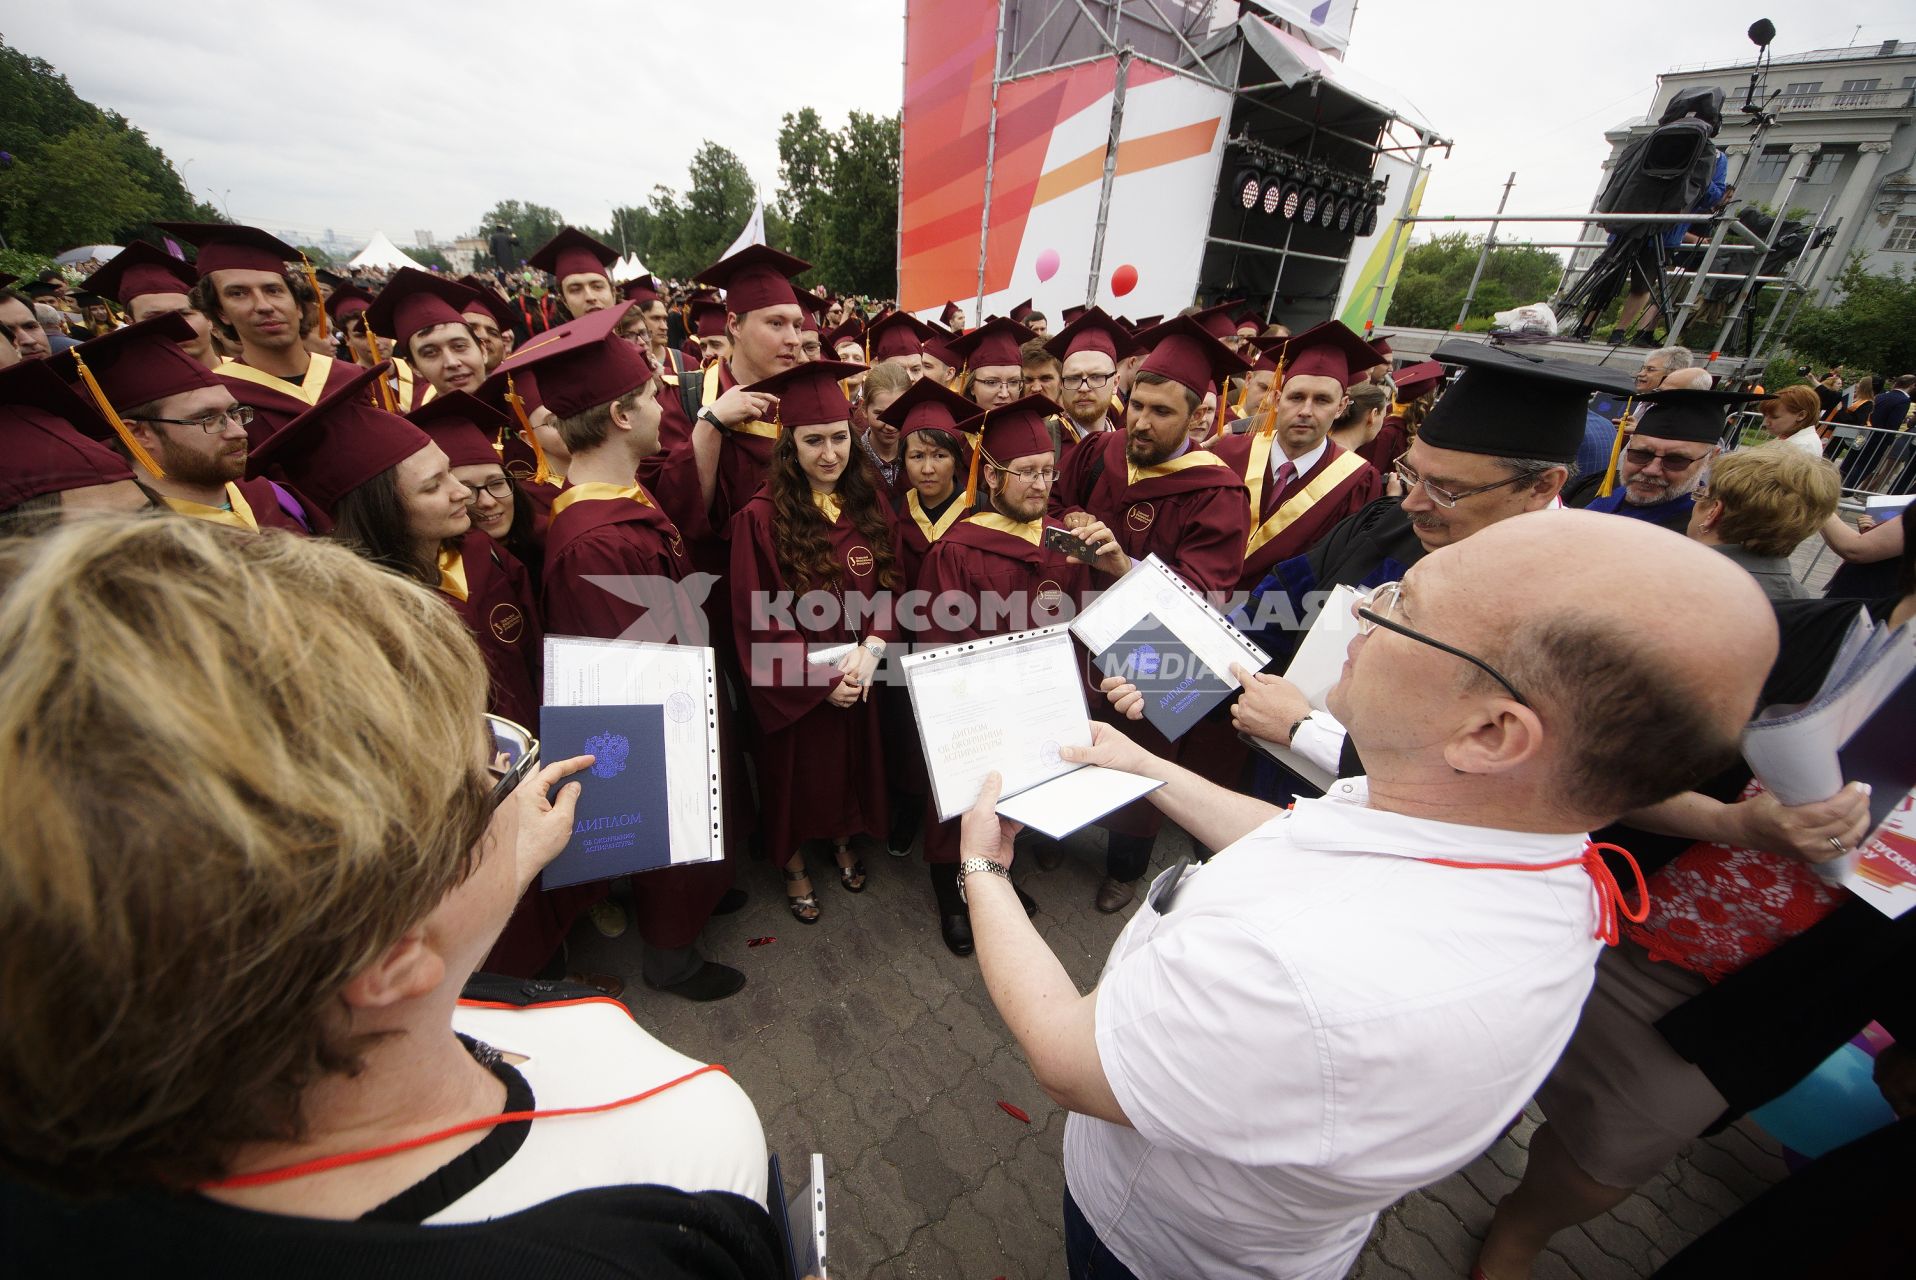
[1714, 908]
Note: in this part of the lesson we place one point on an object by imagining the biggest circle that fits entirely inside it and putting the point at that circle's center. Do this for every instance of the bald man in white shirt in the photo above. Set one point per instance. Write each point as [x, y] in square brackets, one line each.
[1353, 998]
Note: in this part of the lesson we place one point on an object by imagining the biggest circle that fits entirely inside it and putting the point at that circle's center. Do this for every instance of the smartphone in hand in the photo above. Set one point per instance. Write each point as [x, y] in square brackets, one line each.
[1067, 543]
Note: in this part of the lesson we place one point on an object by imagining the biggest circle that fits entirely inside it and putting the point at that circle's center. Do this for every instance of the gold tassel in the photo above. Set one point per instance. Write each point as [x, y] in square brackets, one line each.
[541, 473]
[140, 455]
[1609, 484]
[1269, 426]
[386, 400]
[971, 470]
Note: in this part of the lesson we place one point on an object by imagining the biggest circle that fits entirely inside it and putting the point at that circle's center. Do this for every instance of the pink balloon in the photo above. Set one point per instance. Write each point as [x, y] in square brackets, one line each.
[1047, 264]
[1124, 280]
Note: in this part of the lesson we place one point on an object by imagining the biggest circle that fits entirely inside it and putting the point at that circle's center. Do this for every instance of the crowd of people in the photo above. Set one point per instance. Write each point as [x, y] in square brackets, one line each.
[281, 551]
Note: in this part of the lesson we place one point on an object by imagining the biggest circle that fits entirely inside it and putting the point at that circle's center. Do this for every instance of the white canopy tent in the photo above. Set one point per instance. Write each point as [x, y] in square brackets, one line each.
[628, 268]
[383, 253]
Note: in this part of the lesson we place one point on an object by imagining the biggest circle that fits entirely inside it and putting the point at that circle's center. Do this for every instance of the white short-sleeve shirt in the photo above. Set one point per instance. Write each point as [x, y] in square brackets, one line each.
[702, 1135]
[1318, 1025]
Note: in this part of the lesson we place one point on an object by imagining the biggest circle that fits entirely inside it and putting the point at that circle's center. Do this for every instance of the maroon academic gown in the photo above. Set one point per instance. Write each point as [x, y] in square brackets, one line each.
[274, 400]
[622, 537]
[1338, 488]
[264, 497]
[1388, 445]
[990, 553]
[675, 429]
[821, 768]
[1193, 513]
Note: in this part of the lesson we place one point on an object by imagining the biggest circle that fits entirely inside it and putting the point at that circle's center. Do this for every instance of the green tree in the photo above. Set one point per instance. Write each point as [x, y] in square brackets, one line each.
[79, 189]
[534, 224]
[1436, 278]
[316, 255]
[429, 257]
[860, 249]
[805, 158]
[1871, 326]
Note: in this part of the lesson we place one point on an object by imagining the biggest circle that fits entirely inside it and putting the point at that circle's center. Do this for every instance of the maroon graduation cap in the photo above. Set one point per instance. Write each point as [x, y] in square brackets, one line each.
[899, 334]
[755, 277]
[584, 364]
[1414, 380]
[1184, 351]
[573, 253]
[928, 405]
[50, 437]
[414, 301]
[348, 300]
[339, 444]
[487, 300]
[996, 342]
[463, 425]
[229, 248]
[1092, 330]
[138, 270]
[809, 394]
[1329, 350]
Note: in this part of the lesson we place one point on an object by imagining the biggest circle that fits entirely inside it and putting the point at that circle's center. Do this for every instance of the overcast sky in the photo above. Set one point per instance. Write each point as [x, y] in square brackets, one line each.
[304, 115]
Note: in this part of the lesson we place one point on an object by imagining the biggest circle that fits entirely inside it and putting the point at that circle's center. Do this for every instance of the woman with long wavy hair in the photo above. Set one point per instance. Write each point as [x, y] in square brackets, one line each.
[812, 569]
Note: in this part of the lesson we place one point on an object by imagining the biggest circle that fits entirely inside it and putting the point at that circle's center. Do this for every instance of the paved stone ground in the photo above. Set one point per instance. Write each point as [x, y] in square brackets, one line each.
[863, 1038]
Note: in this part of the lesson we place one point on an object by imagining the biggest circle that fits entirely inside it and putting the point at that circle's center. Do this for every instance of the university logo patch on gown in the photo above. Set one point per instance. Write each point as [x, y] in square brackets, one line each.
[507, 623]
[1140, 515]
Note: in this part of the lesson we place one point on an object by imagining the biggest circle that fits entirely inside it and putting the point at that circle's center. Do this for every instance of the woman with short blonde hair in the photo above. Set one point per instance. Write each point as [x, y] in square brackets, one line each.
[253, 841]
[1759, 504]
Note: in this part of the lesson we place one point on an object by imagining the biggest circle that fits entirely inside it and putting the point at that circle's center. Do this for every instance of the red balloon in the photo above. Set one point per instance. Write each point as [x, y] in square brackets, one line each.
[1124, 280]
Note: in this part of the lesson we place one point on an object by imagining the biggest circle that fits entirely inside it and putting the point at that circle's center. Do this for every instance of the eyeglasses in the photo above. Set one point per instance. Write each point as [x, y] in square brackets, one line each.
[1673, 463]
[1375, 609]
[1444, 497]
[498, 489]
[1087, 381]
[992, 386]
[515, 753]
[1033, 475]
[214, 421]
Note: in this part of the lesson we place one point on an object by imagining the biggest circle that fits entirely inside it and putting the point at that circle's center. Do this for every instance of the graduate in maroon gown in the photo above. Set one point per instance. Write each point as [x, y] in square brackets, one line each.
[1298, 482]
[878, 439]
[998, 554]
[647, 297]
[52, 464]
[498, 508]
[529, 449]
[150, 282]
[246, 291]
[935, 459]
[178, 424]
[425, 314]
[1415, 383]
[993, 355]
[603, 393]
[1160, 496]
[817, 534]
[1089, 350]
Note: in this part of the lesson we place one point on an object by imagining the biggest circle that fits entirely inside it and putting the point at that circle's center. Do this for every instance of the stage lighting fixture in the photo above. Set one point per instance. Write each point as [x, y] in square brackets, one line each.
[1249, 183]
[1293, 199]
[1344, 211]
[1308, 209]
[1273, 195]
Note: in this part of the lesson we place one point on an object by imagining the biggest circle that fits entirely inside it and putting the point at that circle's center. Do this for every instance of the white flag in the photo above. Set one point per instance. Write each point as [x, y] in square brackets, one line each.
[754, 232]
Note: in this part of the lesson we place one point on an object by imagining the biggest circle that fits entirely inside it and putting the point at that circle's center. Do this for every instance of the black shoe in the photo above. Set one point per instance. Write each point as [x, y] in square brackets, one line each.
[734, 900]
[711, 982]
[957, 931]
[1025, 900]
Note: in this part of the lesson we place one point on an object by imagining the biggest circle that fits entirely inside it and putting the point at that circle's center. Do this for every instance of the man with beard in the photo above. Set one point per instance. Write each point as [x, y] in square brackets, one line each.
[1000, 552]
[150, 282]
[183, 431]
[583, 268]
[1502, 441]
[994, 362]
[708, 337]
[1088, 350]
[1660, 467]
[1160, 495]
[246, 291]
[1299, 482]
[425, 314]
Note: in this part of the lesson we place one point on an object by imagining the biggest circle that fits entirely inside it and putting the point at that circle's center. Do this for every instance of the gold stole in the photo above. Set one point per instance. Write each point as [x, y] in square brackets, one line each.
[1341, 468]
[933, 532]
[764, 430]
[319, 370]
[452, 573]
[599, 489]
[240, 517]
[1029, 530]
[828, 503]
[1193, 457]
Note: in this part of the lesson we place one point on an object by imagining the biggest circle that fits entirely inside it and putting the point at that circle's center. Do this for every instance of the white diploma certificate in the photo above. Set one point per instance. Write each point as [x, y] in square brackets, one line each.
[1153, 590]
[582, 672]
[1010, 704]
[1315, 668]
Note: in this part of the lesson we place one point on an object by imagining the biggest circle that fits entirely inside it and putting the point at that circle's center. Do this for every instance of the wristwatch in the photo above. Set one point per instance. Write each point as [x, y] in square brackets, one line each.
[969, 865]
[1296, 724]
[875, 649]
[707, 414]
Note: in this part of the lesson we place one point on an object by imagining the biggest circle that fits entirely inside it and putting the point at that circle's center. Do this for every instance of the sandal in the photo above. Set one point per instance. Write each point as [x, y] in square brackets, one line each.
[804, 906]
[850, 874]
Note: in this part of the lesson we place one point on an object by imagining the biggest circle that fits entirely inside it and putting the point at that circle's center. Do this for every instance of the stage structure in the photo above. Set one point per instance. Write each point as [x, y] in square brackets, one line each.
[1142, 154]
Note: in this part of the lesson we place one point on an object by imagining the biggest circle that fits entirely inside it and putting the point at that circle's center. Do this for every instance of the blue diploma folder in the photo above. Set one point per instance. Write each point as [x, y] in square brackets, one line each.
[622, 824]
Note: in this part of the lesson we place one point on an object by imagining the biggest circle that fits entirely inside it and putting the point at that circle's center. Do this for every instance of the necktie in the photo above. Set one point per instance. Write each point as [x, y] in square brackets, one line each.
[1285, 474]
